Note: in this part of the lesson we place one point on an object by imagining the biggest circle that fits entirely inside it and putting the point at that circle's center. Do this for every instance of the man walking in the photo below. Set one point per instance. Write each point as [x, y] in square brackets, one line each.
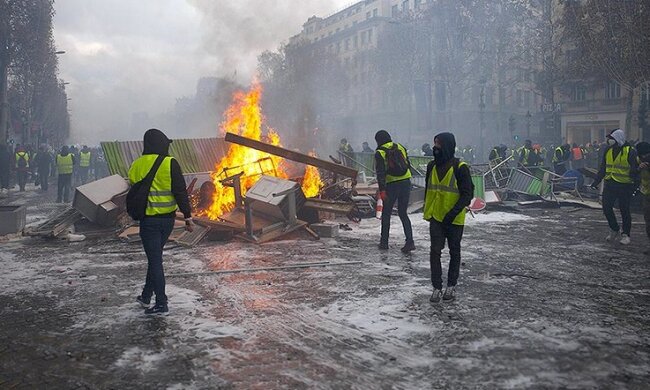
[560, 158]
[394, 179]
[64, 164]
[22, 167]
[84, 164]
[449, 191]
[166, 194]
[643, 149]
[43, 162]
[619, 168]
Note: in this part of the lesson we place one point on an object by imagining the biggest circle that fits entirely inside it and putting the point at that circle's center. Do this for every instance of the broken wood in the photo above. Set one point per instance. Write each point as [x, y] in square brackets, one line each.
[263, 269]
[292, 155]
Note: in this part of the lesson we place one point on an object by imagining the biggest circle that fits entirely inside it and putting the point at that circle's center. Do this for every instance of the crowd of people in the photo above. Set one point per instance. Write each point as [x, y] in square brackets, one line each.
[71, 166]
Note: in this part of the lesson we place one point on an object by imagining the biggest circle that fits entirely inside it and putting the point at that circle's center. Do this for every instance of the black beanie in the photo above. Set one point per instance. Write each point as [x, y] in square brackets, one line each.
[382, 137]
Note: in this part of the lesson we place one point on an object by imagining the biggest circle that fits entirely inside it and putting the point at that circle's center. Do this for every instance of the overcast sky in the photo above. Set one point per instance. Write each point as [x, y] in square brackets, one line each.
[125, 56]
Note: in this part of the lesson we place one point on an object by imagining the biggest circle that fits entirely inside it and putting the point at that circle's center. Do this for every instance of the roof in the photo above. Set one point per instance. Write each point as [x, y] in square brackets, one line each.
[194, 155]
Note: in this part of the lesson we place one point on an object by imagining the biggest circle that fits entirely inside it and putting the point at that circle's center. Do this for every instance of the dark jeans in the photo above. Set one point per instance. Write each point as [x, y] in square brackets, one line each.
[154, 233]
[83, 175]
[21, 176]
[43, 178]
[623, 193]
[646, 214]
[4, 180]
[63, 191]
[439, 233]
[399, 192]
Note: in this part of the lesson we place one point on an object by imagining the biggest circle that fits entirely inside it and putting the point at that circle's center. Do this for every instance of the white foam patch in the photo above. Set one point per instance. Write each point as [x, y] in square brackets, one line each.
[139, 359]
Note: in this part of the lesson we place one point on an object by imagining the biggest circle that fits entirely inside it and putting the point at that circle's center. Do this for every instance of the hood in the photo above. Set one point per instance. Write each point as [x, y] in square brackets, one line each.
[65, 150]
[643, 148]
[382, 137]
[618, 135]
[448, 143]
[156, 142]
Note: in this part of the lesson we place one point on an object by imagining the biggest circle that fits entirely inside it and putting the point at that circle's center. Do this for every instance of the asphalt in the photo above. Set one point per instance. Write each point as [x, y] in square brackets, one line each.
[543, 302]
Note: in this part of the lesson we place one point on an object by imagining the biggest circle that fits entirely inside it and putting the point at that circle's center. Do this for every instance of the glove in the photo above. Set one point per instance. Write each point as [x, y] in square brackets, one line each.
[383, 196]
[447, 220]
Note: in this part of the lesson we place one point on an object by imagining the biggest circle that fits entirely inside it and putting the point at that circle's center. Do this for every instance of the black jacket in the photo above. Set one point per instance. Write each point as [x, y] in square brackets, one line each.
[463, 179]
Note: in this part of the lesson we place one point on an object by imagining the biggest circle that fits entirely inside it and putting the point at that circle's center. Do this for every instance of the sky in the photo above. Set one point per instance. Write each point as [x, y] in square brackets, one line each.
[126, 56]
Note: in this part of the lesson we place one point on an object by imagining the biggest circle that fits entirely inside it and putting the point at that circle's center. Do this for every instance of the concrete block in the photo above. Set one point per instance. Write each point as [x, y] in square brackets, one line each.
[327, 230]
[101, 201]
[12, 219]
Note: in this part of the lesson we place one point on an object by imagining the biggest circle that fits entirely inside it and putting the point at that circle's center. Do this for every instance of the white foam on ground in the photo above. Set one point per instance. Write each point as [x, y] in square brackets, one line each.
[137, 358]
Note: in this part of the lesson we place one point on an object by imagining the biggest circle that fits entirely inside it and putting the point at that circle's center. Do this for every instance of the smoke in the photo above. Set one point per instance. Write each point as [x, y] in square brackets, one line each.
[128, 57]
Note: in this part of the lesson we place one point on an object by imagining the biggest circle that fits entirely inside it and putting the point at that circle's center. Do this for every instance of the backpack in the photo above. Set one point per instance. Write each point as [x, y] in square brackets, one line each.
[396, 163]
[22, 160]
[138, 195]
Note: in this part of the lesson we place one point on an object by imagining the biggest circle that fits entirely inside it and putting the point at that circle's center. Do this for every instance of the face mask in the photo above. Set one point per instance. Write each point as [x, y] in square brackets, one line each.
[611, 142]
[437, 151]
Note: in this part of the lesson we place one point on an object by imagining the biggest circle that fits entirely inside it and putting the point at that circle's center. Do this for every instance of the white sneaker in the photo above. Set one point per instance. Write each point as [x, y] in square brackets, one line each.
[625, 239]
[612, 236]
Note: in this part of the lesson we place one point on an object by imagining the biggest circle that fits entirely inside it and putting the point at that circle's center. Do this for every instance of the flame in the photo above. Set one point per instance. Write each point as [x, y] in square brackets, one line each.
[244, 117]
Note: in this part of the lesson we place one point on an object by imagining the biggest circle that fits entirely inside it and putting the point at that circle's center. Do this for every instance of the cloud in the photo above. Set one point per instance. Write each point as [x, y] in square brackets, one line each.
[125, 56]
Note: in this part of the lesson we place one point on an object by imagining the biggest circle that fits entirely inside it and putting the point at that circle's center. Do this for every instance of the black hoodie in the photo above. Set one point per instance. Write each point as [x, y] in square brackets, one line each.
[156, 142]
[442, 163]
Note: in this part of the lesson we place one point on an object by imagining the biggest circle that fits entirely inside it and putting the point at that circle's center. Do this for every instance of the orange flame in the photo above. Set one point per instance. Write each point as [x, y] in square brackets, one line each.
[244, 117]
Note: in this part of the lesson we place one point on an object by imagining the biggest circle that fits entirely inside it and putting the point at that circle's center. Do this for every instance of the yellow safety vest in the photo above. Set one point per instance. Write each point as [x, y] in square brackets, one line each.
[555, 159]
[64, 164]
[389, 178]
[161, 200]
[526, 153]
[84, 159]
[645, 180]
[24, 155]
[618, 169]
[442, 196]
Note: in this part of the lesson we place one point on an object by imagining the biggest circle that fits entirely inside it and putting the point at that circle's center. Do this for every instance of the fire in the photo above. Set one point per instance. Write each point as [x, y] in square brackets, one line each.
[244, 117]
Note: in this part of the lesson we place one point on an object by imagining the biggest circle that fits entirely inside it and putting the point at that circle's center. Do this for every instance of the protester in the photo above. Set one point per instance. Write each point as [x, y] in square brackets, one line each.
[643, 150]
[527, 156]
[43, 163]
[22, 167]
[427, 151]
[394, 179]
[65, 162]
[365, 148]
[560, 159]
[345, 147]
[619, 168]
[84, 164]
[5, 169]
[166, 194]
[448, 192]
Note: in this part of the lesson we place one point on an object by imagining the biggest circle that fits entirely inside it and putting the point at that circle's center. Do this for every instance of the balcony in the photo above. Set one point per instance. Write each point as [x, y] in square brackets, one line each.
[597, 105]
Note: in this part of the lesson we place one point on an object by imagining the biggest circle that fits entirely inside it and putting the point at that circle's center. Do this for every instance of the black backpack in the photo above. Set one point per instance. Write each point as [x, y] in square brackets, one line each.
[396, 163]
[138, 196]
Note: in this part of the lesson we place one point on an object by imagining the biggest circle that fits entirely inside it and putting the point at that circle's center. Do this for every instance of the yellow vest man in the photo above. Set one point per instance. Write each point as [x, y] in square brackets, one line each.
[619, 168]
[84, 164]
[166, 194]
[643, 149]
[64, 165]
[448, 193]
[394, 179]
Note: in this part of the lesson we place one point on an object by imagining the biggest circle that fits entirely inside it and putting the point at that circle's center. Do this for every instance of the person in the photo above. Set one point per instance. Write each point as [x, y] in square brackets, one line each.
[468, 154]
[448, 193]
[345, 147]
[64, 165]
[366, 148]
[560, 158]
[84, 164]
[393, 189]
[619, 169]
[643, 150]
[43, 162]
[167, 193]
[576, 156]
[5, 169]
[22, 167]
[427, 151]
[527, 156]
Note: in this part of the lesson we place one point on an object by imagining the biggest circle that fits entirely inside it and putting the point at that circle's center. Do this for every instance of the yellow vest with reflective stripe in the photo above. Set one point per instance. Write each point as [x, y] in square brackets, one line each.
[24, 155]
[161, 200]
[555, 159]
[618, 169]
[645, 180]
[442, 195]
[84, 159]
[64, 164]
[389, 178]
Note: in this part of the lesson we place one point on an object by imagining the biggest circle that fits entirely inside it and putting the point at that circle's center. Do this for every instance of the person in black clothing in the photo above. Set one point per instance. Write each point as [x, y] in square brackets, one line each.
[365, 148]
[5, 169]
[393, 189]
[43, 163]
[621, 180]
[448, 228]
[426, 149]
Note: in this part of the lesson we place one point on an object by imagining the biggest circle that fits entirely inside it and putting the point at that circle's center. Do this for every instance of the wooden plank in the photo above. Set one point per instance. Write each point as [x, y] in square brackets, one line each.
[291, 155]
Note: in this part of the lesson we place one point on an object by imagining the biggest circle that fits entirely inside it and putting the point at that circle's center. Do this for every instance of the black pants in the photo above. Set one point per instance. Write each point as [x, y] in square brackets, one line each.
[83, 175]
[439, 233]
[4, 179]
[154, 233]
[64, 187]
[399, 192]
[21, 176]
[43, 178]
[559, 169]
[646, 214]
[623, 193]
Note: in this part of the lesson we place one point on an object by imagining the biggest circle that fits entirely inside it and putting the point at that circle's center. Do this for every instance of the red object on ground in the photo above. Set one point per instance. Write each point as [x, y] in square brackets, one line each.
[477, 205]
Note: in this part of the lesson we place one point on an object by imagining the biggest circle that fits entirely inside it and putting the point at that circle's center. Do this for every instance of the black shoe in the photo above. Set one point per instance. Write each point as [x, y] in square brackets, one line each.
[157, 309]
[144, 303]
[449, 294]
[408, 247]
[383, 247]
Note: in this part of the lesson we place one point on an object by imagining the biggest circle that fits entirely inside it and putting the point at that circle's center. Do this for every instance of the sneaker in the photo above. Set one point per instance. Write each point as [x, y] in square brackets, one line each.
[383, 247]
[435, 297]
[450, 294]
[144, 304]
[612, 236]
[157, 309]
[408, 247]
[625, 239]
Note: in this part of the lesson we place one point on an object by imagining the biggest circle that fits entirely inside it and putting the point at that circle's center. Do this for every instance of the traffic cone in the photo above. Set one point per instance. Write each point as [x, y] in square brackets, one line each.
[380, 208]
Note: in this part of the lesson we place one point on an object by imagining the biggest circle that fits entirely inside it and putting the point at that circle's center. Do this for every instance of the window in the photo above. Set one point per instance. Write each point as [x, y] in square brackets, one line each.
[370, 36]
[375, 12]
[579, 93]
[347, 44]
[394, 11]
[441, 96]
[416, 4]
[612, 90]
[363, 37]
[645, 95]
[368, 15]
[355, 41]
[405, 5]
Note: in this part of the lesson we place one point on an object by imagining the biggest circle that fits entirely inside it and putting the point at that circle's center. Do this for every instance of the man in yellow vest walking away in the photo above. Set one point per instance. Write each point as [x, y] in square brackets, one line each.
[449, 190]
[166, 194]
[22, 167]
[64, 164]
[619, 168]
[84, 164]
[643, 149]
